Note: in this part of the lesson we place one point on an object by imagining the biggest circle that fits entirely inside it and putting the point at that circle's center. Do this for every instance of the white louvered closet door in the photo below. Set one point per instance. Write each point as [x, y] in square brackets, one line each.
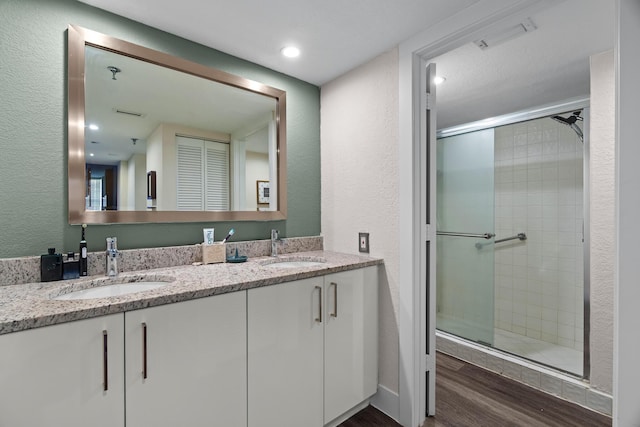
[203, 175]
[216, 176]
[190, 164]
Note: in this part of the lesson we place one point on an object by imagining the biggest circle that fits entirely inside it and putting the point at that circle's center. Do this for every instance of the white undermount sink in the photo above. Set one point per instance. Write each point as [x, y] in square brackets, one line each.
[294, 263]
[111, 290]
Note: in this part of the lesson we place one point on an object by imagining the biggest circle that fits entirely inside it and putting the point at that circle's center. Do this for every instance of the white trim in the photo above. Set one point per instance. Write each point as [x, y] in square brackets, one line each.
[440, 38]
[626, 373]
[386, 401]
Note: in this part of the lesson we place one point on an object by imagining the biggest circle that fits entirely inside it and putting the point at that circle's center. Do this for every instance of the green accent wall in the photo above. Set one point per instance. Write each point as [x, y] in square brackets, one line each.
[33, 134]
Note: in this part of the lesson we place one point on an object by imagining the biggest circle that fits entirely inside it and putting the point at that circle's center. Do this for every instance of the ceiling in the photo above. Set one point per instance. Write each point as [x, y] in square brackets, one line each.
[544, 66]
[334, 35]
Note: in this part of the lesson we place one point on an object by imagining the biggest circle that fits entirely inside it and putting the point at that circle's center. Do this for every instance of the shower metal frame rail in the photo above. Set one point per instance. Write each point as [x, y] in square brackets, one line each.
[473, 235]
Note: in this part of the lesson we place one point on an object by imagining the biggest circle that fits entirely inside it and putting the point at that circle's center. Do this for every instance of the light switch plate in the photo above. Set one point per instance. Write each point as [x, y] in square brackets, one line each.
[363, 242]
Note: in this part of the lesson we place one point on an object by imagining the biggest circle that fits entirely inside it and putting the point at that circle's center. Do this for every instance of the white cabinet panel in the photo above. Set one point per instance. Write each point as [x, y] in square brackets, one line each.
[54, 376]
[350, 340]
[285, 354]
[195, 363]
[305, 368]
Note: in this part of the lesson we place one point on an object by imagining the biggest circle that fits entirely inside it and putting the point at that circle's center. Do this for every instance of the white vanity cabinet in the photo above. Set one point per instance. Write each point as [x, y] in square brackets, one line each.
[64, 375]
[186, 363]
[312, 348]
[285, 354]
[350, 340]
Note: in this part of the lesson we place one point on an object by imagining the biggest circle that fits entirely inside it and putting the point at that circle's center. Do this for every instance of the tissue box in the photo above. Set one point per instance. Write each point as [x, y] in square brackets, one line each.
[212, 254]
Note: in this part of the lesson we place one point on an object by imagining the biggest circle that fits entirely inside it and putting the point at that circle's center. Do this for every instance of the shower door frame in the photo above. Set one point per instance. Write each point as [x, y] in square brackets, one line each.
[581, 103]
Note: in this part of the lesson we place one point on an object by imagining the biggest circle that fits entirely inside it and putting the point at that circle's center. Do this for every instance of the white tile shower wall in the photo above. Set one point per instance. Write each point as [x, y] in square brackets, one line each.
[538, 190]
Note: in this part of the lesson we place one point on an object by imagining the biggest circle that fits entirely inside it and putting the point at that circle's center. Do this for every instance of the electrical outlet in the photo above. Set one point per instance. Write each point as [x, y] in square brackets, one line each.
[363, 244]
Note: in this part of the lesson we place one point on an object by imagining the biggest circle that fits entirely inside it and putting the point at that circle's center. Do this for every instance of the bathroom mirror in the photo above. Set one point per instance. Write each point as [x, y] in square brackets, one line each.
[157, 138]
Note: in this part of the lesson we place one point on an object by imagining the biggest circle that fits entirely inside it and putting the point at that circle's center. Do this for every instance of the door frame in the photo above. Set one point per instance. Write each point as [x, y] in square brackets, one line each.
[413, 55]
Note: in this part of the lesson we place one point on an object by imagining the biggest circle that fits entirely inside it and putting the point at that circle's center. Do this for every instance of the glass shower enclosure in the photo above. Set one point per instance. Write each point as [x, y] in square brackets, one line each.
[511, 238]
[465, 299]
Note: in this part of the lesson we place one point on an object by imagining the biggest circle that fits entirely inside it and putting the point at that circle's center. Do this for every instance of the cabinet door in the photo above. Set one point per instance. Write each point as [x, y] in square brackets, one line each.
[285, 330]
[55, 376]
[195, 369]
[351, 340]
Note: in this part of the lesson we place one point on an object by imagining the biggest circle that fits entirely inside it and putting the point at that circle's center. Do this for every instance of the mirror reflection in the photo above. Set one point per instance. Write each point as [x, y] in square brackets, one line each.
[208, 143]
[155, 138]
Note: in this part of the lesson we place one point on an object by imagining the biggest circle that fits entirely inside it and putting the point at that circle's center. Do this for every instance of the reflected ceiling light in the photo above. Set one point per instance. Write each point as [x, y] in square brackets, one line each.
[290, 51]
[93, 126]
[438, 80]
[90, 154]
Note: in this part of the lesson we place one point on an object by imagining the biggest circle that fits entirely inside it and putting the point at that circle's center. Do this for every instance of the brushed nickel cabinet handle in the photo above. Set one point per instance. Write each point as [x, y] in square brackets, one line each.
[105, 361]
[144, 350]
[319, 318]
[335, 299]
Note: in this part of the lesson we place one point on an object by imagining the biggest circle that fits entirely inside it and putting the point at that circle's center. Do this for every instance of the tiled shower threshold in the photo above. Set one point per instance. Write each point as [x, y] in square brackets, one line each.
[551, 381]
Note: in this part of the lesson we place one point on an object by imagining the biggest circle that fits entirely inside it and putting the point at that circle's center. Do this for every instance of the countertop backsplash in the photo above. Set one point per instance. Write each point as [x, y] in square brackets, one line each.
[15, 271]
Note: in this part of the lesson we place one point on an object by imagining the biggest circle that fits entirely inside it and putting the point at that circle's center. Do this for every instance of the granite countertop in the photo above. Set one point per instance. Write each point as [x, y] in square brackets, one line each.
[30, 305]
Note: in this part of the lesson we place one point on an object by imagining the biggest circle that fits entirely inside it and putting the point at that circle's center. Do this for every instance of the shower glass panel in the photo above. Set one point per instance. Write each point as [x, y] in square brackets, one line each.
[523, 290]
[465, 269]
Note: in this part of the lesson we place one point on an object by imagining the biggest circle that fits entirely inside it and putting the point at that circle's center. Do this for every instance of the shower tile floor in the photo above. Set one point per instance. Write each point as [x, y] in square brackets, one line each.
[555, 356]
[552, 355]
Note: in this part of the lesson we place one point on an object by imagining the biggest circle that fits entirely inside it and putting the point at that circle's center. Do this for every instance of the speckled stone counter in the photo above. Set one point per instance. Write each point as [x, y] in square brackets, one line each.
[30, 305]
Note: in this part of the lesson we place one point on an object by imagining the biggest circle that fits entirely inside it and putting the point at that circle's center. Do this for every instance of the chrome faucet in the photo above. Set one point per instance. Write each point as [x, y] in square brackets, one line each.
[275, 238]
[112, 256]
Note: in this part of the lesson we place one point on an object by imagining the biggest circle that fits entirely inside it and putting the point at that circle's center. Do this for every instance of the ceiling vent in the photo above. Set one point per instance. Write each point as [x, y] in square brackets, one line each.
[506, 34]
[128, 113]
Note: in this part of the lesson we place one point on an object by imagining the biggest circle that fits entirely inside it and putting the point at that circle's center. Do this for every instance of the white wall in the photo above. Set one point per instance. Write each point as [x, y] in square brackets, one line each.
[257, 169]
[602, 218]
[123, 186]
[359, 131]
[137, 182]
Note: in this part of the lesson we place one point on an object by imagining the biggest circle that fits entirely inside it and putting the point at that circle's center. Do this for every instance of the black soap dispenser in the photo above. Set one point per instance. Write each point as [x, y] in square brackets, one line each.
[83, 253]
[51, 266]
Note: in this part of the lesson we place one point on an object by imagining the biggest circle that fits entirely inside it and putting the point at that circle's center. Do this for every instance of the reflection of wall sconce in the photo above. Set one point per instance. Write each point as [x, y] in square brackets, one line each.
[151, 185]
[263, 192]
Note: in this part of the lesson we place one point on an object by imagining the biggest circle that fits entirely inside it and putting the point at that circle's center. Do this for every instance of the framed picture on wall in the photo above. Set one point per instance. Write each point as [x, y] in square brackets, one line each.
[263, 192]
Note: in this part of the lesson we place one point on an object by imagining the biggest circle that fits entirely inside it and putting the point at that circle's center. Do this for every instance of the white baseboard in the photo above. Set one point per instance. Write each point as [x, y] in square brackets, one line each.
[387, 401]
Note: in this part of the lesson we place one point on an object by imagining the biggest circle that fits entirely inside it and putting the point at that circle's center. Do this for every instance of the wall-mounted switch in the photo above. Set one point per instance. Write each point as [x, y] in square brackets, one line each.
[363, 245]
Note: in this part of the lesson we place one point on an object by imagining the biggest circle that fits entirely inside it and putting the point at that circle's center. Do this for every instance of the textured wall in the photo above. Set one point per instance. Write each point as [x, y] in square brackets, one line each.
[33, 139]
[360, 181]
[603, 219]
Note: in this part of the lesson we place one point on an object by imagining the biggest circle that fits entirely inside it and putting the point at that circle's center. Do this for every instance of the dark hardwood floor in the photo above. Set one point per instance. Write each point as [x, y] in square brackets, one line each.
[468, 396]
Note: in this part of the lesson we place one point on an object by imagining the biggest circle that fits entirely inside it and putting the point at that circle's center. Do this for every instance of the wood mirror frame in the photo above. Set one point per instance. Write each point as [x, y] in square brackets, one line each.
[78, 38]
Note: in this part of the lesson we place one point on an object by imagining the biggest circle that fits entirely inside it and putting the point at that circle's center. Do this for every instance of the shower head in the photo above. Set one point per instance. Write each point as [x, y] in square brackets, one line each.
[566, 121]
[571, 122]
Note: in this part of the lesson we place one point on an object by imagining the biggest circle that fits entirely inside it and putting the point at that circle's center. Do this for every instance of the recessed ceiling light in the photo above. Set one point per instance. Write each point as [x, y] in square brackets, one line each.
[93, 126]
[90, 154]
[290, 51]
[438, 80]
